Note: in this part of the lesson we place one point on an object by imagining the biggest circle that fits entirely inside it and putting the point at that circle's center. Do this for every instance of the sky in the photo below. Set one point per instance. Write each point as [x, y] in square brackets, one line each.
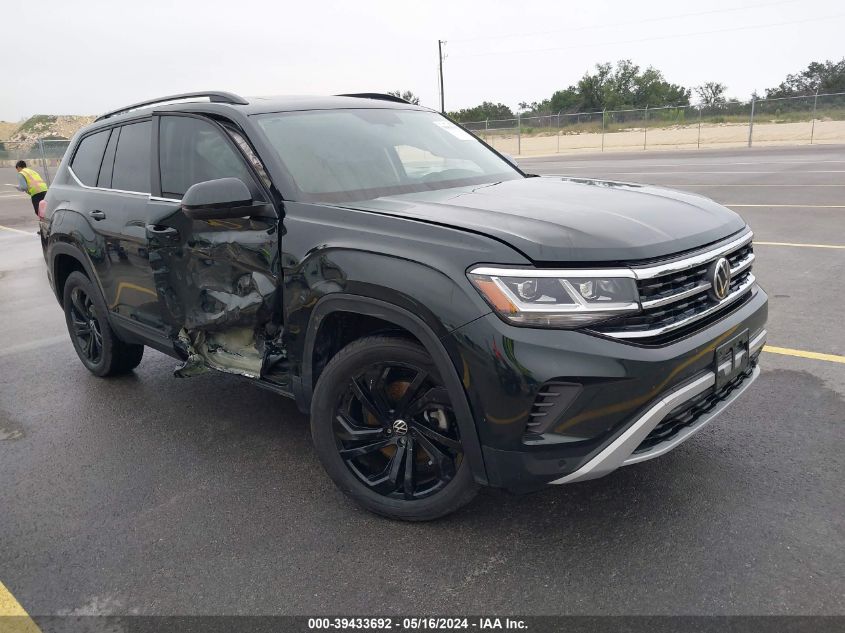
[89, 56]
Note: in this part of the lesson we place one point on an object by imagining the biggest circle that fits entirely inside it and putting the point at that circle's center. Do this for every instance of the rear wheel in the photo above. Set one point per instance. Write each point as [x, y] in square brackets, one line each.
[97, 346]
[385, 430]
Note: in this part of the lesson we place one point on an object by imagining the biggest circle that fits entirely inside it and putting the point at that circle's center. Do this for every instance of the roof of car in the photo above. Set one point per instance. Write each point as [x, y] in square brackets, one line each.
[221, 102]
[262, 105]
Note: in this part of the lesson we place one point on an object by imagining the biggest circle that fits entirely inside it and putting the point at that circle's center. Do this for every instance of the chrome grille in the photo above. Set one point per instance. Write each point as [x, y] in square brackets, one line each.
[675, 295]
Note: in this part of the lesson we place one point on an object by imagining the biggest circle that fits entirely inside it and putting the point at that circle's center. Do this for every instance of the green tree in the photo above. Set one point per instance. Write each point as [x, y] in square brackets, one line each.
[627, 86]
[826, 77]
[711, 93]
[407, 95]
[535, 107]
[568, 100]
[652, 89]
[487, 110]
[595, 89]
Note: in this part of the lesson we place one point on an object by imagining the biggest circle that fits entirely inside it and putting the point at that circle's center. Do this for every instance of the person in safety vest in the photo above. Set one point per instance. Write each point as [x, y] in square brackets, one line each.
[32, 183]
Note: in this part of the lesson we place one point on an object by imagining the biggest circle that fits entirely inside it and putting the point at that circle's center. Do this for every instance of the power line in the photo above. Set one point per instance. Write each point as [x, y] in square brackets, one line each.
[630, 23]
[653, 39]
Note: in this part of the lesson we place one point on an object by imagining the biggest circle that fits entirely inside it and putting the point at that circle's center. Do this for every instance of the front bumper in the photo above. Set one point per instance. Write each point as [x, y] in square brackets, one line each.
[623, 393]
[621, 452]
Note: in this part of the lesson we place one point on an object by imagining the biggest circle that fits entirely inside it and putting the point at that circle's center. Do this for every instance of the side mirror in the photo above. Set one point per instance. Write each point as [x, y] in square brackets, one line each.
[217, 199]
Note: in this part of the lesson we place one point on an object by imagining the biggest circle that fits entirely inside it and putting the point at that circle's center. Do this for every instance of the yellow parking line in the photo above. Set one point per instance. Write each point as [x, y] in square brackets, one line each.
[756, 243]
[9, 228]
[833, 358]
[13, 617]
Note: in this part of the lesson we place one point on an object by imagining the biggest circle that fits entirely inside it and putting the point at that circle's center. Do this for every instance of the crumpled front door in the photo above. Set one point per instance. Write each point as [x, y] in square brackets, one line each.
[218, 282]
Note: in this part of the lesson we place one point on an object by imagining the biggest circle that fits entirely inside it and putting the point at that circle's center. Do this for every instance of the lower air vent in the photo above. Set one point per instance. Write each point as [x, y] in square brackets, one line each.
[551, 402]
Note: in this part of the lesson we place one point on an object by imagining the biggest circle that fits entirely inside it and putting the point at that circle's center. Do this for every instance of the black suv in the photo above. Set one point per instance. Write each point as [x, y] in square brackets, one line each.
[447, 320]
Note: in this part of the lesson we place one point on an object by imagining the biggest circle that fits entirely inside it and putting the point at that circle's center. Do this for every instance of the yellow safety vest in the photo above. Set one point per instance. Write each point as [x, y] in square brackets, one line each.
[34, 183]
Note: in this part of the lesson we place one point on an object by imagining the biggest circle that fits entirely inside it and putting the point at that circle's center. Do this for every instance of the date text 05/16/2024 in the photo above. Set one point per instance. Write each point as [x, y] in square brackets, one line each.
[413, 624]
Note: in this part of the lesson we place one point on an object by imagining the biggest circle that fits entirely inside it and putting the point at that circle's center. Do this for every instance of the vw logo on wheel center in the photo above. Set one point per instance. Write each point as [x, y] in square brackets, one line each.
[720, 278]
[400, 427]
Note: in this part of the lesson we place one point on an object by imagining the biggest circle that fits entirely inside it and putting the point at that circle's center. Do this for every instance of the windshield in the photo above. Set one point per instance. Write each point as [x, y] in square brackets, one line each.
[359, 154]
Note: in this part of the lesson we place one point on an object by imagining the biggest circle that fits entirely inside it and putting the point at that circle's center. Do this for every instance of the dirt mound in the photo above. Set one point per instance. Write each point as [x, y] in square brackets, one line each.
[49, 126]
[6, 129]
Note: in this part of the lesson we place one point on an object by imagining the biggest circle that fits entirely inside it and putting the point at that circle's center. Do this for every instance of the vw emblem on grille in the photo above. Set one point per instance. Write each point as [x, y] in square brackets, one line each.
[400, 427]
[719, 275]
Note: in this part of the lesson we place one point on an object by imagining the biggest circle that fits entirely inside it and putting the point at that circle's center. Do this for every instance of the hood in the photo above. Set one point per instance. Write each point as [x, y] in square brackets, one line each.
[557, 219]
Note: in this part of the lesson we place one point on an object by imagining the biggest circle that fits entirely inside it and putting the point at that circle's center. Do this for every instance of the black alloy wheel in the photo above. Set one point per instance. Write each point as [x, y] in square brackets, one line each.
[395, 430]
[101, 351]
[85, 325]
[385, 429]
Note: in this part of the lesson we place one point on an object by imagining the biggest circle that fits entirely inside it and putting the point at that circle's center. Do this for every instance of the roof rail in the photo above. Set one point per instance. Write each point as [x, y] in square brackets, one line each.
[376, 95]
[214, 97]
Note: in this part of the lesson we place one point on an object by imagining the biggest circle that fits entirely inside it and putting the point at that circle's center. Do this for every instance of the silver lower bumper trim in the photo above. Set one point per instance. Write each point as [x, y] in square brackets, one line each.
[620, 452]
[685, 433]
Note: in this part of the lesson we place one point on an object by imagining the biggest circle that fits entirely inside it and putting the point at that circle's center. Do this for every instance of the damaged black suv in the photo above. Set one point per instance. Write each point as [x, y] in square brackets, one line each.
[447, 320]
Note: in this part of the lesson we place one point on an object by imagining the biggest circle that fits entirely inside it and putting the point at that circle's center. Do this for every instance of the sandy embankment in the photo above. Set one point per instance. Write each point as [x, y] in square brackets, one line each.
[676, 137]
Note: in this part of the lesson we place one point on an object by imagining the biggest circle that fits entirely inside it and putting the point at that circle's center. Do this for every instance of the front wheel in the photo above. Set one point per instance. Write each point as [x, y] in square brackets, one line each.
[385, 430]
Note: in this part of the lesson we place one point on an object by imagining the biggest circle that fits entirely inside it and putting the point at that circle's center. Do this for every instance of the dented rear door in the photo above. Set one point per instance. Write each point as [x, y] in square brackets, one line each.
[218, 281]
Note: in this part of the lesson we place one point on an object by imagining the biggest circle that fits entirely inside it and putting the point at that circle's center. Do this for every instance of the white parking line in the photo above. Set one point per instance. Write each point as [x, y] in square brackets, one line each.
[789, 206]
[710, 184]
[756, 243]
[9, 228]
[30, 346]
[587, 165]
[732, 173]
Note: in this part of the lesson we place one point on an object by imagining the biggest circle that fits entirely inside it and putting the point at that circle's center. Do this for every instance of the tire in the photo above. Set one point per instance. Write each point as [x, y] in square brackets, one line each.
[385, 431]
[96, 344]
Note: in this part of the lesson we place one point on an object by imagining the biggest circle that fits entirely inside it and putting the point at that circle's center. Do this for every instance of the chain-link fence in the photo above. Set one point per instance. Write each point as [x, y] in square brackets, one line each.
[813, 119]
[789, 120]
[42, 155]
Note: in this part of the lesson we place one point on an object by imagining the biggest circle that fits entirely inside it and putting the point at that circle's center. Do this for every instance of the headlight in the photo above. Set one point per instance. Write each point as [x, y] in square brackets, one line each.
[557, 298]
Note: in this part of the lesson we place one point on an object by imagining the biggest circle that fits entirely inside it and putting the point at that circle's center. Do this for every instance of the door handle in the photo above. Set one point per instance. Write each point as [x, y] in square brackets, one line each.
[97, 214]
[160, 230]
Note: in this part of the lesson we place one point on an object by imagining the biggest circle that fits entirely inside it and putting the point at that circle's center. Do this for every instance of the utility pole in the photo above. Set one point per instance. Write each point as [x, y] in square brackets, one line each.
[815, 103]
[751, 118]
[440, 44]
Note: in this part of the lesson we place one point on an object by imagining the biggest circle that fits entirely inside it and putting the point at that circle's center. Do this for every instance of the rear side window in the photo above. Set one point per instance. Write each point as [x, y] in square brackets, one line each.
[89, 155]
[132, 158]
[191, 151]
[104, 179]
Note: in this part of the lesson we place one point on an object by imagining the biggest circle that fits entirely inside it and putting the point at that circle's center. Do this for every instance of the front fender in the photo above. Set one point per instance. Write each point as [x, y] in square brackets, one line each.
[407, 320]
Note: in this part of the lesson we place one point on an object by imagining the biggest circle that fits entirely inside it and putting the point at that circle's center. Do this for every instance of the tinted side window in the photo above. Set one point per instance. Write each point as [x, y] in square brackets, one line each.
[132, 159]
[104, 179]
[89, 155]
[191, 151]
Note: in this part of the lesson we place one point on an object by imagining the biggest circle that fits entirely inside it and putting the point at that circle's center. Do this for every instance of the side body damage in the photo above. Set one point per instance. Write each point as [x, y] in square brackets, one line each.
[218, 284]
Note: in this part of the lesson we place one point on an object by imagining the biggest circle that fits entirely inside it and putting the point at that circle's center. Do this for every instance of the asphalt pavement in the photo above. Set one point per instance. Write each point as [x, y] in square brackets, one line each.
[148, 494]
